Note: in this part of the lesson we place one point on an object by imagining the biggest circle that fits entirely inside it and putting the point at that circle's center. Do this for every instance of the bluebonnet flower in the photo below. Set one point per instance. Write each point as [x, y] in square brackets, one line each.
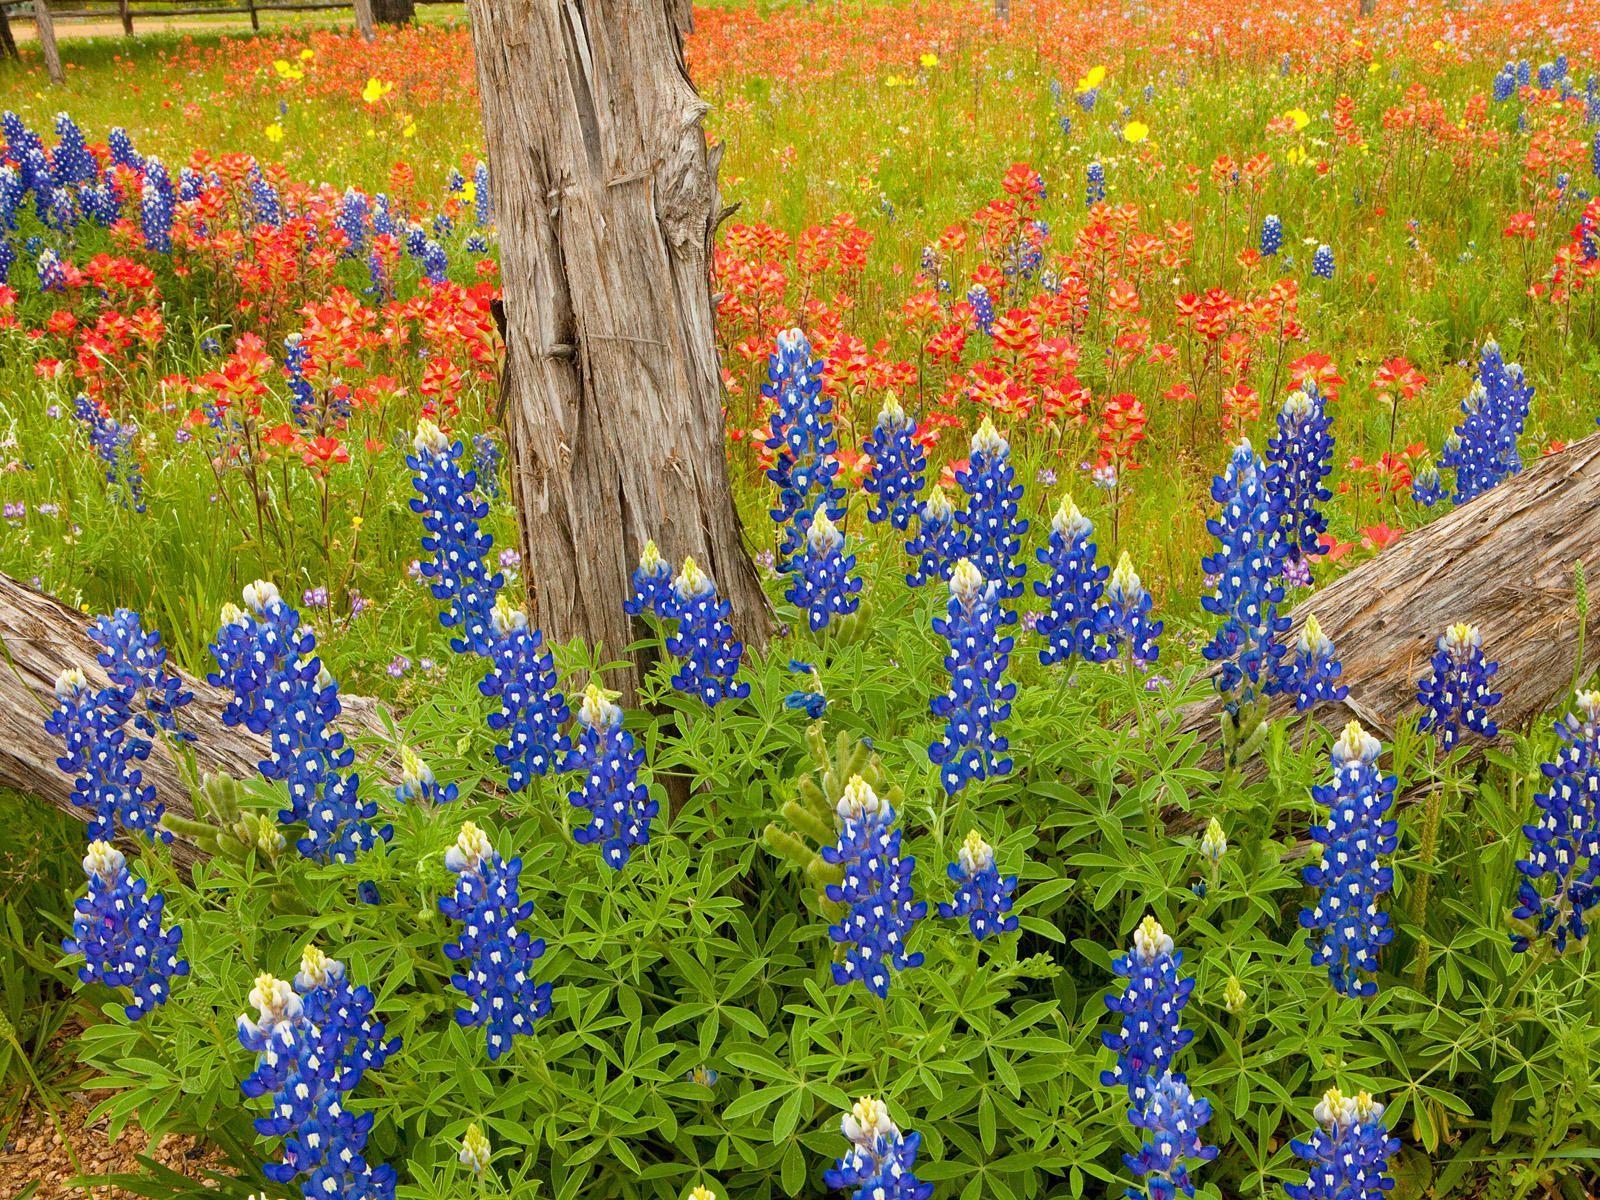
[483, 195]
[475, 1152]
[522, 677]
[264, 205]
[268, 659]
[619, 806]
[936, 544]
[495, 954]
[802, 441]
[1300, 457]
[1482, 451]
[1170, 1121]
[979, 697]
[1322, 262]
[1095, 188]
[71, 161]
[703, 639]
[1350, 876]
[983, 896]
[1249, 559]
[1348, 1156]
[1074, 589]
[1271, 235]
[1426, 489]
[811, 700]
[102, 756]
[881, 1159]
[1214, 842]
[1564, 840]
[313, 1042]
[156, 207]
[1504, 85]
[8, 255]
[1594, 150]
[453, 517]
[652, 584]
[898, 462]
[1125, 617]
[820, 582]
[443, 226]
[486, 456]
[991, 529]
[117, 928]
[880, 909]
[982, 308]
[1311, 674]
[435, 262]
[112, 442]
[136, 662]
[418, 782]
[52, 275]
[302, 396]
[354, 212]
[1150, 1006]
[122, 151]
[1456, 692]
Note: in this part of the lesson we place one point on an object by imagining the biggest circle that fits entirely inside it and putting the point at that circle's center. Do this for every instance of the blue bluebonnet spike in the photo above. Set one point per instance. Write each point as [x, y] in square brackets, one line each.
[1455, 693]
[1347, 1158]
[983, 896]
[117, 928]
[1560, 881]
[979, 698]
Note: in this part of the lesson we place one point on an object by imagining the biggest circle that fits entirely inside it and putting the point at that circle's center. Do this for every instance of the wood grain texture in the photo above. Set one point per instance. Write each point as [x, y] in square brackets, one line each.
[39, 638]
[46, 26]
[1503, 562]
[605, 194]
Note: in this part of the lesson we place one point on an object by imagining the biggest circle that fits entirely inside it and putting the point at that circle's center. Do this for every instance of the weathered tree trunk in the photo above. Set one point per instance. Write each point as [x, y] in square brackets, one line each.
[1368, 7]
[393, 12]
[1002, 10]
[126, 13]
[47, 40]
[1503, 562]
[364, 19]
[8, 44]
[39, 638]
[606, 198]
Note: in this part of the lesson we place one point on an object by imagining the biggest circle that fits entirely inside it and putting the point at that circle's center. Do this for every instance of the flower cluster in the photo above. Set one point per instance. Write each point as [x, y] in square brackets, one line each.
[983, 896]
[419, 784]
[1271, 235]
[1126, 619]
[1170, 1121]
[1350, 876]
[1073, 622]
[1455, 693]
[992, 531]
[1247, 565]
[1311, 673]
[703, 639]
[802, 442]
[1426, 487]
[1301, 456]
[979, 697]
[117, 928]
[1564, 841]
[522, 677]
[880, 909]
[136, 661]
[881, 1159]
[102, 755]
[268, 660]
[313, 1042]
[1483, 449]
[112, 441]
[652, 584]
[936, 544]
[495, 954]
[619, 806]
[898, 463]
[1322, 263]
[1151, 1007]
[453, 514]
[1348, 1156]
[820, 583]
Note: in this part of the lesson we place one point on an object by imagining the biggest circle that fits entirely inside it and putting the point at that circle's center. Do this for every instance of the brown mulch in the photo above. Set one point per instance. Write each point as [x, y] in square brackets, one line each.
[31, 1152]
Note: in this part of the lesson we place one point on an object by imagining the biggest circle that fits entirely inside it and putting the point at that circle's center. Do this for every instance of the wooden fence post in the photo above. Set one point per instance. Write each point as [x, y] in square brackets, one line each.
[364, 19]
[255, 17]
[47, 40]
[126, 14]
[8, 44]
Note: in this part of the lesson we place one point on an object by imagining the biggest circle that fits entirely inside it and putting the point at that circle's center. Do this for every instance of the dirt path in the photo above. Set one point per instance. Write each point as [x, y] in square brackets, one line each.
[31, 1153]
[24, 30]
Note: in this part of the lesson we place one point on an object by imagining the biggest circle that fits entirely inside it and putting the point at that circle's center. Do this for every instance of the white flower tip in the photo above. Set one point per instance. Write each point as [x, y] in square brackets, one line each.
[858, 802]
[891, 415]
[867, 1121]
[1125, 580]
[1355, 744]
[1068, 521]
[937, 507]
[429, 439]
[104, 860]
[650, 560]
[1460, 639]
[70, 682]
[965, 581]
[823, 537]
[506, 616]
[596, 711]
[975, 854]
[691, 580]
[471, 848]
[1150, 941]
[261, 595]
[987, 440]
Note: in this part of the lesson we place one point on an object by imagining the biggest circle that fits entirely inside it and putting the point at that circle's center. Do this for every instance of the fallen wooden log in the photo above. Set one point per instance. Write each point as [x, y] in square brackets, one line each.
[39, 638]
[1504, 562]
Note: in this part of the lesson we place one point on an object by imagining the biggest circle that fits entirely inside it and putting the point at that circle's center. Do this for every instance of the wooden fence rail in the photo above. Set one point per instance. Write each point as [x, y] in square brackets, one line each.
[44, 16]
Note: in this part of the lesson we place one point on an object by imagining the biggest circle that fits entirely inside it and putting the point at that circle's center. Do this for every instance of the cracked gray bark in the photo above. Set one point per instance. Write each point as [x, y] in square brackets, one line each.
[39, 638]
[1503, 562]
[606, 197]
